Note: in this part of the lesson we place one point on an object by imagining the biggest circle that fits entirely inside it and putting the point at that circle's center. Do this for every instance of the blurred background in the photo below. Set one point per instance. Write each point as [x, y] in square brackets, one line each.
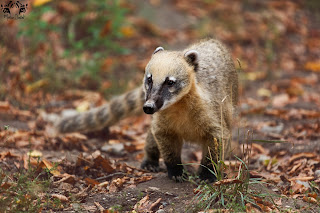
[64, 55]
[105, 45]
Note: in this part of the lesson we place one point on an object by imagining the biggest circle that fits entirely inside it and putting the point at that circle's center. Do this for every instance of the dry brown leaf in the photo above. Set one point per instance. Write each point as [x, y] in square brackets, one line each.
[104, 184]
[227, 181]
[62, 198]
[142, 205]
[133, 147]
[45, 164]
[313, 66]
[34, 154]
[142, 179]
[8, 154]
[104, 163]
[4, 106]
[6, 185]
[281, 100]
[301, 155]
[106, 29]
[310, 200]
[155, 204]
[297, 188]
[302, 178]
[36, 86]
[128, 31]
[91, 182]
[66, 178]
[101, 209]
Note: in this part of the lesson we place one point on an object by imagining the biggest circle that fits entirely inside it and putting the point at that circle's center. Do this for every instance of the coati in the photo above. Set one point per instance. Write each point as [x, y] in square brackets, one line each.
[191, 95]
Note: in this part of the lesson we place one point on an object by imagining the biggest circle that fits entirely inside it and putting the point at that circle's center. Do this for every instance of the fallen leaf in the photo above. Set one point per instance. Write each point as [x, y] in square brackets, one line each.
[66, 178]
[4, 106]
[313, 66]
[262, 92]
[92, 182]
[35, 154]
[45, 164]
[36, 86]
[227, 181]
[7, 154]
[127, 31]
[301, 155]
[104, 163]
[281, 100]
[62, 198]
[310, 200]
[37, 3]
[101, 209]
[106, 29]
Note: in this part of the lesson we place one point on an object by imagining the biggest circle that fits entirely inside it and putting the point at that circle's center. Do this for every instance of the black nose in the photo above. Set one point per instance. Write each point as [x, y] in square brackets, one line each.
[149, 108]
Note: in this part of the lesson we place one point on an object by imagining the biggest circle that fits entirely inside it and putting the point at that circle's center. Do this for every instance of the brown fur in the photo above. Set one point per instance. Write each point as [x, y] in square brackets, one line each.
[199, 112]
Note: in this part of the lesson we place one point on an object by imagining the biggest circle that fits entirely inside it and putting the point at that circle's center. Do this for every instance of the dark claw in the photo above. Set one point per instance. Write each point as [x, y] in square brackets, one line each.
[175, 172]
[150, 166]
[207, 175]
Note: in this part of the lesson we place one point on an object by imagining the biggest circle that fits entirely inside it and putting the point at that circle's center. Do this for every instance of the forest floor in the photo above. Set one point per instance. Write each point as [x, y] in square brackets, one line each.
[99, 171]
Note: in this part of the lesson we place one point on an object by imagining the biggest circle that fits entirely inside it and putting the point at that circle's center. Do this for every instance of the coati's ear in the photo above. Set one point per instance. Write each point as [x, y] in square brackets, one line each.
[192, 57]
[158, 49]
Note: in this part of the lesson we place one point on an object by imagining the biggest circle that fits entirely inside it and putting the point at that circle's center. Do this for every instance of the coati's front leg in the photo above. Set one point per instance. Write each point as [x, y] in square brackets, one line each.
[170, 145]
[206, 168]
[151, 154]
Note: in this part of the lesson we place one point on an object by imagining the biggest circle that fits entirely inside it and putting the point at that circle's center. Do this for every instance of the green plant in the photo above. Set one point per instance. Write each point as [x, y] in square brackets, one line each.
[26, 190]
[232, 189]
[74, 39]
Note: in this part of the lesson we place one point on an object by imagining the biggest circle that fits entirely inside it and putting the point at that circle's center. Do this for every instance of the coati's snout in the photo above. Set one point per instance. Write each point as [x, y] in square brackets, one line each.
[149, 107]
[153, 103]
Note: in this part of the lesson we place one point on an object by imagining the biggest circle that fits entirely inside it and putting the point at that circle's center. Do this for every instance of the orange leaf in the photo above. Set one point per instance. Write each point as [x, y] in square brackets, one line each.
[313, 66]
[310, 199]
[106, 29]
[104, 163]
[127, 31]
[37, 3]
[47, 164]
[91, 181]
[4, 106]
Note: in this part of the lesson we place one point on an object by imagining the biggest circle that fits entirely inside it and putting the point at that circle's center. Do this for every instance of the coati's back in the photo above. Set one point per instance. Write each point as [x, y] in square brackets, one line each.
[216, 71]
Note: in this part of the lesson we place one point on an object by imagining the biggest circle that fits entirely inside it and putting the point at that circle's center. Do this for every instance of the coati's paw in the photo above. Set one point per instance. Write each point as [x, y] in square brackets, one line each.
[207, 175]
[151, 166]
[175, 172]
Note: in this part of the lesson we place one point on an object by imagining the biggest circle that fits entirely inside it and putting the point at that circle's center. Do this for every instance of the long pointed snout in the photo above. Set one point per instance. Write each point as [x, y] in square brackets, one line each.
[149, 107]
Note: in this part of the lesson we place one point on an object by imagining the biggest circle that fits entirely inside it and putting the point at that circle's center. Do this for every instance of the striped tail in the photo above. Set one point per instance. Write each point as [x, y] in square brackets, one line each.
[119, 107]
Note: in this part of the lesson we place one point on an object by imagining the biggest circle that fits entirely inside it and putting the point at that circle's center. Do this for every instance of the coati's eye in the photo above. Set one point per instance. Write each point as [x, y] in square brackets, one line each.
[149, 78]
[171, 81]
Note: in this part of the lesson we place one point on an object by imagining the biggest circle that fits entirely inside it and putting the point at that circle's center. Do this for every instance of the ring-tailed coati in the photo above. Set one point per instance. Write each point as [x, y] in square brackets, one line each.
[191, 95]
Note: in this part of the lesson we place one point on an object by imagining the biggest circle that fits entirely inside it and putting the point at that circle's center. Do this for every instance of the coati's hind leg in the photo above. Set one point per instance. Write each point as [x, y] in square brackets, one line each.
[206, 170]
[152, 154]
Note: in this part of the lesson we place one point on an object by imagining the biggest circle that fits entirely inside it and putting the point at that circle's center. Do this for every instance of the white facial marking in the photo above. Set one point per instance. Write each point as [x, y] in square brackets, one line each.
[172, 79]
[149, 75]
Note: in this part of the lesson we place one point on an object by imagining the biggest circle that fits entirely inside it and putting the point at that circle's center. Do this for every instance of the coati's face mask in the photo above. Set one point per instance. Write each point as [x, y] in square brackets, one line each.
[167, 78]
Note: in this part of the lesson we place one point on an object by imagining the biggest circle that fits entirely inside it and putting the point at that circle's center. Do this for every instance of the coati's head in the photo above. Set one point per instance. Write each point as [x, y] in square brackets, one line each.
[168, 77]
